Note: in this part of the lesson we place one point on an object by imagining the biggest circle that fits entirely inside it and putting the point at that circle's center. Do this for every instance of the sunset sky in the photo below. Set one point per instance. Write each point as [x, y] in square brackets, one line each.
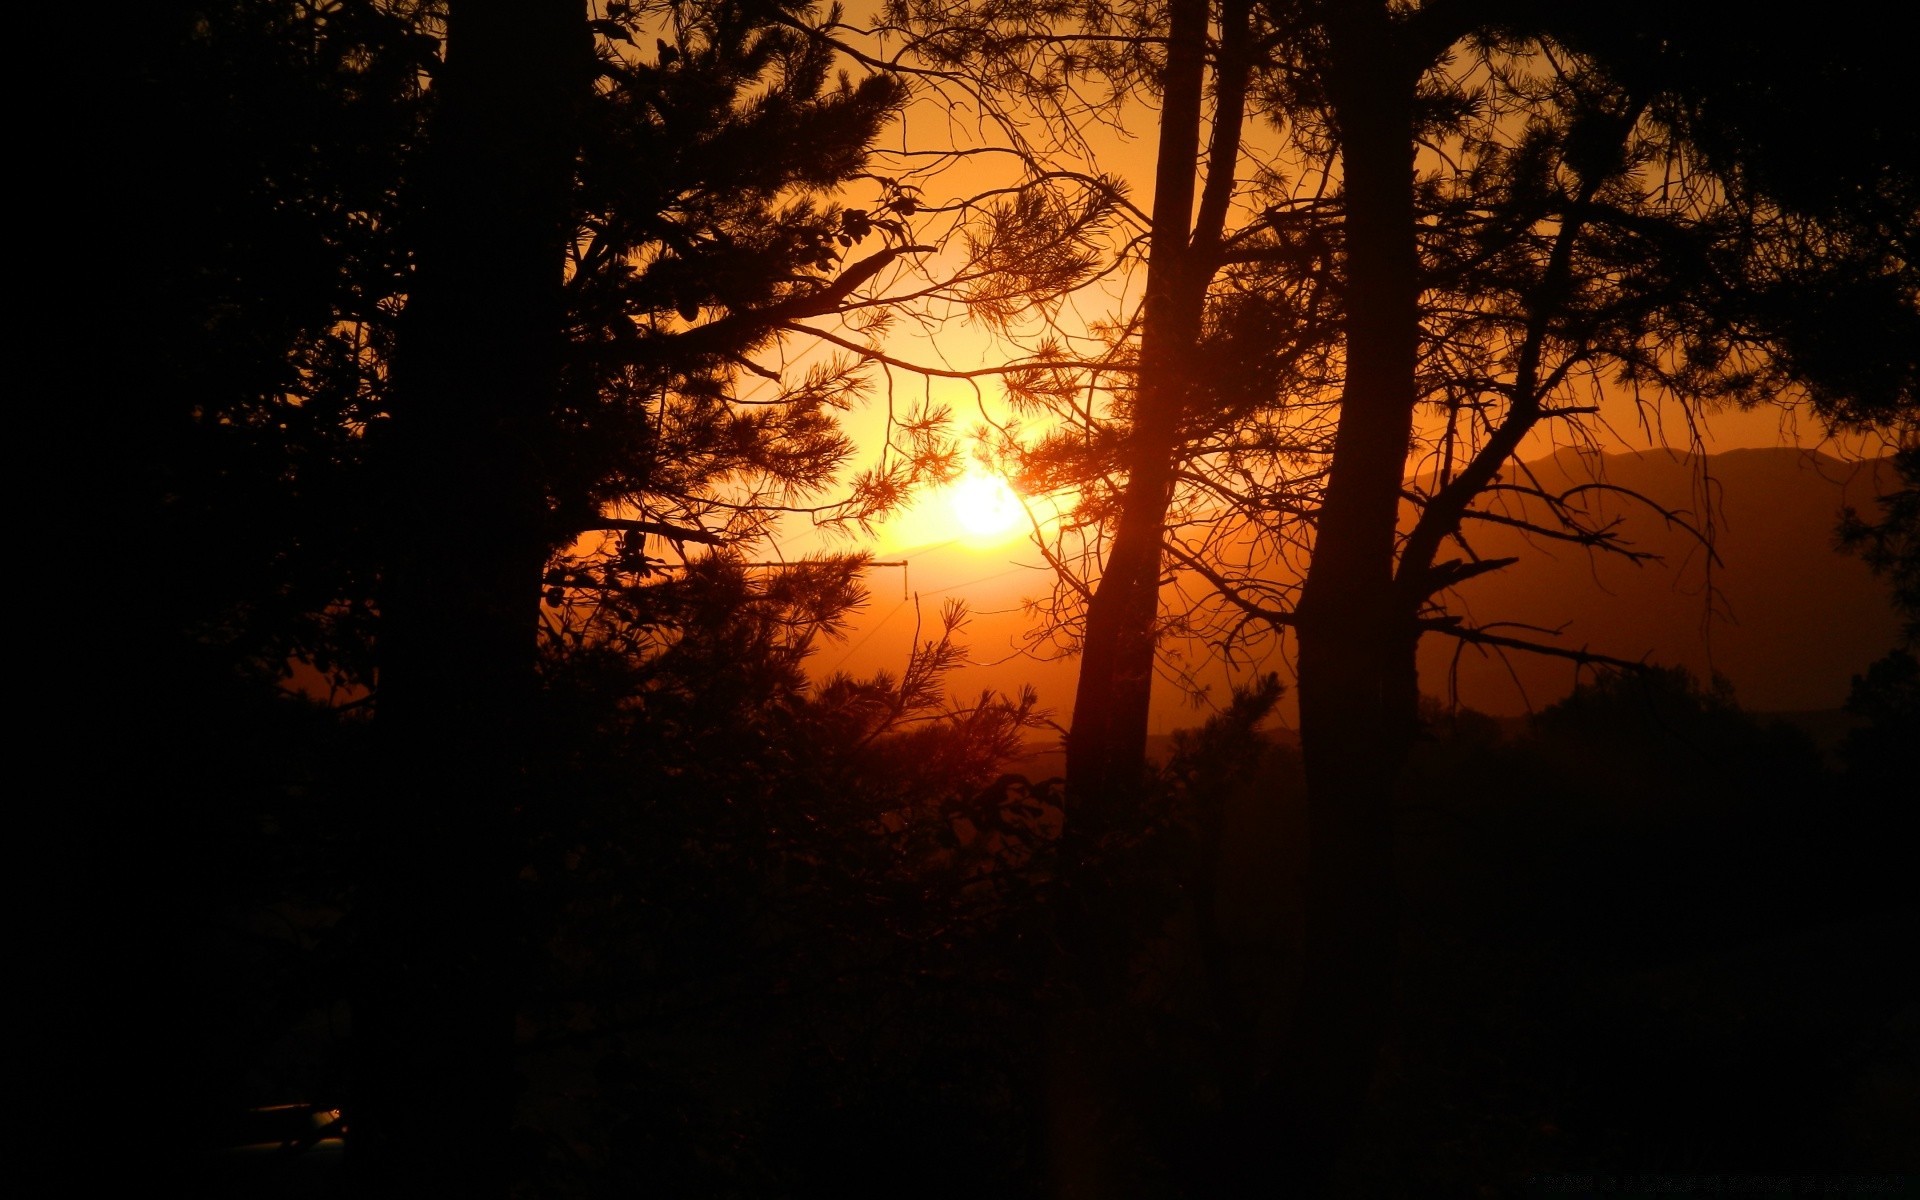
[599, 415]
[972, 539]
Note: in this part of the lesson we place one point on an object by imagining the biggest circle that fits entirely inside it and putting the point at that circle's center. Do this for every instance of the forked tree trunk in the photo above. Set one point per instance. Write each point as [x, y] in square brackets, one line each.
[475, 379]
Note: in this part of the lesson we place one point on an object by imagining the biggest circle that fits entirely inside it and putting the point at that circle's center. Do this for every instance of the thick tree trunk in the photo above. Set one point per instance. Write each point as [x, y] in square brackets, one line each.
[1357, 684]
[1094, 1140]
[1106, 748]
[475, 379]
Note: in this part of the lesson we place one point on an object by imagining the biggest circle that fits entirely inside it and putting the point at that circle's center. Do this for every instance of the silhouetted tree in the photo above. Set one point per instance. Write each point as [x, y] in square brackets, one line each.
[532, 277]
[254, 153]
[477, 367]
[1361, 608]
[271, 140]
[1184, 405]
[679, 232]
[1599, 198]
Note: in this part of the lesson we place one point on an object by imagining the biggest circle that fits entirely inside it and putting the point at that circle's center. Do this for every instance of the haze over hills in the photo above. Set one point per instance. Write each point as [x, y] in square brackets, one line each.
[1776, 608]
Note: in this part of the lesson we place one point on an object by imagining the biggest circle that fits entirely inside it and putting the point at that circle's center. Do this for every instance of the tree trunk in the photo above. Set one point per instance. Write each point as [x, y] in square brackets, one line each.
[1358, 688]
[1094, 1139]
[1106, 747]
[474, 381]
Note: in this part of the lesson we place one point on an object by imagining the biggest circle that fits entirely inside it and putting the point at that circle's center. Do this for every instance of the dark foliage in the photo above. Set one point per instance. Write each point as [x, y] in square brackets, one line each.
[274, 139]
[1646, 932]
[285, 143]
[1891, 545]
[1643, 931]
[784, 937]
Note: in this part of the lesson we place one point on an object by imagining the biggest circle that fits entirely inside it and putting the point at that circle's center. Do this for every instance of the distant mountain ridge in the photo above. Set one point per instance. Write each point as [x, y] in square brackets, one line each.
[1776, 607]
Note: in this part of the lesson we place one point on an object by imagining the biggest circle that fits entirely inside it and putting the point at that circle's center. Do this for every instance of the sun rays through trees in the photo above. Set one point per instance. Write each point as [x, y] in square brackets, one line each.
[526, 394]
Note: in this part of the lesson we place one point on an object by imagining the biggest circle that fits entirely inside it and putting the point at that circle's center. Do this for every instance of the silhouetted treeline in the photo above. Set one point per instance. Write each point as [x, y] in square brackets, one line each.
[775, 943]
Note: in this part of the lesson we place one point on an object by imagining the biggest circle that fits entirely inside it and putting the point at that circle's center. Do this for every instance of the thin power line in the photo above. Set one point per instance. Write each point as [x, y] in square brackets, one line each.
[869, 635]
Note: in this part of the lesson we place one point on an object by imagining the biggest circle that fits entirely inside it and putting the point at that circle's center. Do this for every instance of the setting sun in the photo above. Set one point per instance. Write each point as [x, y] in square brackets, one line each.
[984, 505]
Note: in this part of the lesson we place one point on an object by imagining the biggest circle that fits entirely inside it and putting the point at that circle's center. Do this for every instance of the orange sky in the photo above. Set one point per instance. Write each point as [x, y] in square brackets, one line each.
[995, 575]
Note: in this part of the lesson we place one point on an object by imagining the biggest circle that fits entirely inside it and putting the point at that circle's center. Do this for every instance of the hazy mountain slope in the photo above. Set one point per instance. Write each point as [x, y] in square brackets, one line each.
[1776, 609]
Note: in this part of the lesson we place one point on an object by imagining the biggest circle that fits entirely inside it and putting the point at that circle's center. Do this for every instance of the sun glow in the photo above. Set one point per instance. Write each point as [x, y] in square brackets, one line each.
[984, 506]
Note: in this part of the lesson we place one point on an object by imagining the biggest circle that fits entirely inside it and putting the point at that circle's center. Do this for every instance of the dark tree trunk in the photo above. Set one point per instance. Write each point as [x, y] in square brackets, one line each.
[475, 381]
[1357, 684]
[1106, 748]
[1091, 1130]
